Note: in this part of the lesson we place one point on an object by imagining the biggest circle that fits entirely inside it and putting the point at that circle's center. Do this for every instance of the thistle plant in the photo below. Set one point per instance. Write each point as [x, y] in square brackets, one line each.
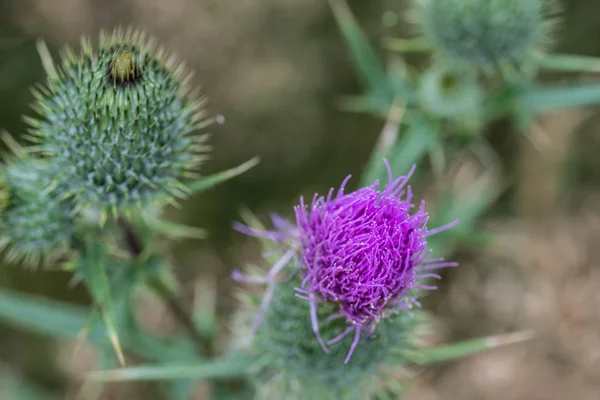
[116, 125]
[117, 136]
[337, 314]
[351, 272]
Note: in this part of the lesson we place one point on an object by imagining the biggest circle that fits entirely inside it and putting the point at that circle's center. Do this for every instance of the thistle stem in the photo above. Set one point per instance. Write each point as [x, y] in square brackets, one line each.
[135, 247]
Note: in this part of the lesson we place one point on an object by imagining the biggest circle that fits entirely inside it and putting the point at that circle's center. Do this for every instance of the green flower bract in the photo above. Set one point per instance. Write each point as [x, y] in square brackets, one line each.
[34, 225]
[116, 125]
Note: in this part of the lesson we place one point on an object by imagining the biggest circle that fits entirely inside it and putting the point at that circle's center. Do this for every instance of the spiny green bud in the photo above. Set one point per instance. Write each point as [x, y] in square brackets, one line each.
[294, 366]
[450, 92]
[117, 123]
[485, 34]
[34, 225]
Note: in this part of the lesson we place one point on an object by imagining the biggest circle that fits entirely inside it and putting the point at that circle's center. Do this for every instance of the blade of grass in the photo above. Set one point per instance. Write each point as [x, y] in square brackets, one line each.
[569, 63]
[387, 140]
[370, 71]
[208, 182]
[467, 347]
[417, 139]
[543, 99]
[63, 320]
[215, 369]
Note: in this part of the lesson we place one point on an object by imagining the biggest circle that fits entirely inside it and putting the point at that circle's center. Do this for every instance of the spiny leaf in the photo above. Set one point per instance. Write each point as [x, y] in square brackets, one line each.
[208, 182]
[370, 70]
[98, 284]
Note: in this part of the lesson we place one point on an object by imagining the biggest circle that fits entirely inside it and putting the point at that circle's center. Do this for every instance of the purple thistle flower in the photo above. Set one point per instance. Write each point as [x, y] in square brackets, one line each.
[364, 251]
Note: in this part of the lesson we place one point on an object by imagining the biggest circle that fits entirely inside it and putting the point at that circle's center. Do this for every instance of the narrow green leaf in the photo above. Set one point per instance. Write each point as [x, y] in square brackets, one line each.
[417, 139]
[467, 206]
[569, 63]
[549, 98]
[208, 182]
[370, 71]
[467, 347]
[216, 369]
[204, 309]
[98, 285]
[63, 320]
[43, 316]
[173, 229]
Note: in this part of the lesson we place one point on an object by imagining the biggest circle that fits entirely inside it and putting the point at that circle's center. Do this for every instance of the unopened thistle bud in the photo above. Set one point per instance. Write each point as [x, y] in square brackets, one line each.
[34, 225]
[485, 34]
[117, 123]
[339, 304]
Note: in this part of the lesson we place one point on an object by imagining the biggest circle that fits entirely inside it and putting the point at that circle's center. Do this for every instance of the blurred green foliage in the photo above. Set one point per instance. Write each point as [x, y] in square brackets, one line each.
[344, 145]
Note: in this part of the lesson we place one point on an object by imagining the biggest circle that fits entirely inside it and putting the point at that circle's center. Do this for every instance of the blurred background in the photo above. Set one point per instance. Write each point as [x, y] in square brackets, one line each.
[275, 70]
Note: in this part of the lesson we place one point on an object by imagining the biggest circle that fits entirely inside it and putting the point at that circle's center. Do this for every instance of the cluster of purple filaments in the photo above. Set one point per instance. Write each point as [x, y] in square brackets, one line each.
[364, 251]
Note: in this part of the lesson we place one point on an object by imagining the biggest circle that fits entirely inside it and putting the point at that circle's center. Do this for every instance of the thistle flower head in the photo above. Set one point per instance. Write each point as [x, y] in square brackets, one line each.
[360, 249]
[34, 225]
[116, 124]
[363, 252]
[485, 34]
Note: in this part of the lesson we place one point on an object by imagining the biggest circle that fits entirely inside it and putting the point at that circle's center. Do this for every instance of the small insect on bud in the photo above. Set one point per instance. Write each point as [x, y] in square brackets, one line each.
[123, 68]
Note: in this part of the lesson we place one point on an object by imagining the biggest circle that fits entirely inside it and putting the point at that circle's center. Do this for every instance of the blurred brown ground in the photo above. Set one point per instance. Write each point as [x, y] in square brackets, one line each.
[274, 69]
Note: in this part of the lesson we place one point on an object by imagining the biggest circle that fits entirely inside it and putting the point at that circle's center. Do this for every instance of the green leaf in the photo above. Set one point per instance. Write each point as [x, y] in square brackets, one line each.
[18, 387]
[412, 146]
[419, 138]
[370, 71]
[208, 182]
[204, 309]
[467, 206]
[173, 229]
[543, 99]
[181, 389]
[43, 316]
[63, 320]
[98, 284]
[215, 369]
[466, 348]
[569, 63]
